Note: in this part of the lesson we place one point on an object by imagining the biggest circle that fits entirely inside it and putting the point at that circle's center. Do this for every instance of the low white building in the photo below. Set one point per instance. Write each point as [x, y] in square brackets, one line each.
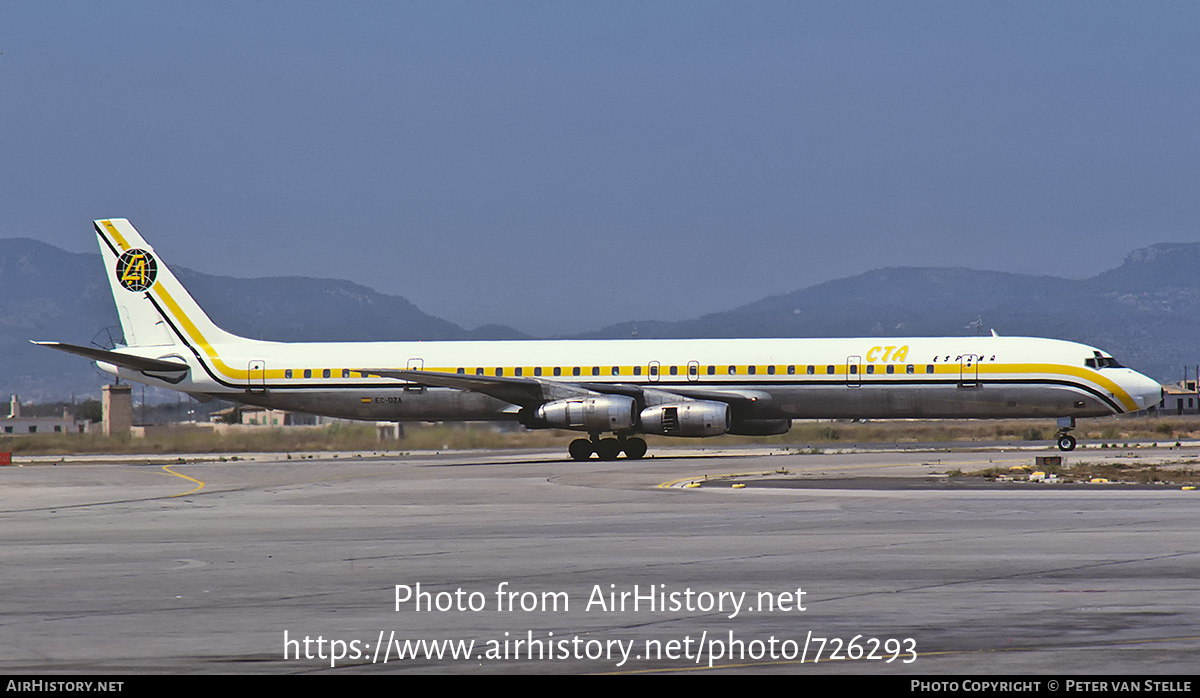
[16, 424]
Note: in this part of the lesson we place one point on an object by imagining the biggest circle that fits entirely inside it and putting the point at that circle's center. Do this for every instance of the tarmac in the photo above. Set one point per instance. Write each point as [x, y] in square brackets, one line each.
[854, 562]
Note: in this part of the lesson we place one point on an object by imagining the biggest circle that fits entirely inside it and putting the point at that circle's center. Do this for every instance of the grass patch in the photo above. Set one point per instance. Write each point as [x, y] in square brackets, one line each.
[1184, 473]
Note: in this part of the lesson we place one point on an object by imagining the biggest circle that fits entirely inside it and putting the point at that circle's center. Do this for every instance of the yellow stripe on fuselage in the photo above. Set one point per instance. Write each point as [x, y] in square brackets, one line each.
[663, 377]
[197, 336]
[1093, 376]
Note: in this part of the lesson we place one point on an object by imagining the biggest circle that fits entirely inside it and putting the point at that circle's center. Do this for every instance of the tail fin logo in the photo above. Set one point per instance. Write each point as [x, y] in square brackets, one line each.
[136, 270]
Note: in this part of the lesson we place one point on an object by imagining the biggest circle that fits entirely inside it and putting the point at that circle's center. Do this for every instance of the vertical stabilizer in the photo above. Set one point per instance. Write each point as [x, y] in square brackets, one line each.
[154, 308]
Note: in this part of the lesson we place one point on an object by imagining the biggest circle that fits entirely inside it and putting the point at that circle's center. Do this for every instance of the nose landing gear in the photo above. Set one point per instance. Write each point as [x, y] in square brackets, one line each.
[1066, 442]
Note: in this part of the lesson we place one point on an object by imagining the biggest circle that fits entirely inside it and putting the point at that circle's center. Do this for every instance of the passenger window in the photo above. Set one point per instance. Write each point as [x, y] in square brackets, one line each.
[712, 370]
[558, 370]
[733, 370]
[287, 373]
[693, 369]
[791, 370]
[854, 368]
[575, 371]
[595, 370]
[325, 373]
[674, 370]
[810, 370]
[345, 373]
[870, 368]
[500, 372]
[537, 370]
[891, 368]
[637, 370]
[908, 368]
[616, 370]
[654, 370]
[770, 370]
[929, 368]
[479, 371]
[829, 370]
[308, 373]
[518, 371]
[461, 370]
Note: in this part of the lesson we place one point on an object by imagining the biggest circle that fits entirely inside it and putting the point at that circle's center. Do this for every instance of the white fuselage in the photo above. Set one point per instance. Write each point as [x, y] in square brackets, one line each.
[685, 387]
[794, 378]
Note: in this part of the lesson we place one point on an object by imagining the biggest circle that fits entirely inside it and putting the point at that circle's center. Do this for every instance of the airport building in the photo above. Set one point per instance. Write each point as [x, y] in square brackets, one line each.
[260, 416]
[16, 424]
[1180, 398]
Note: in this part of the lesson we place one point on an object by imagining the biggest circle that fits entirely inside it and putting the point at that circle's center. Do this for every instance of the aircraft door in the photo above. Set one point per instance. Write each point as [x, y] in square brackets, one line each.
[693, 371]
[653, 370]
[256, 379]
[853, 371]
[968, 371]
[415, 364]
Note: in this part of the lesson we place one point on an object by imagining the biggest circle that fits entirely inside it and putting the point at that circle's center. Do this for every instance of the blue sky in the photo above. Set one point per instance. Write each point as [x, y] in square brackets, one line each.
[562, 166]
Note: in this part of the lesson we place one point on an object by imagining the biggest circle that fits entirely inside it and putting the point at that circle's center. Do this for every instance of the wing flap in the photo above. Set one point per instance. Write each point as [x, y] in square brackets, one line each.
[527, 392]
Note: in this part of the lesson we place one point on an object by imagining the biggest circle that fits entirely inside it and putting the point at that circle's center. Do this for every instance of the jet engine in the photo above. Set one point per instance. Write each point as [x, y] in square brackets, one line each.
[698, 418]
[591, 414]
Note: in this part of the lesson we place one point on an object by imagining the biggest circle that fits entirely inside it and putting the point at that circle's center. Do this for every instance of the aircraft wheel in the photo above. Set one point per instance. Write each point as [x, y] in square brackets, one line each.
[1066, 442]
[608, 449]
[580, 449]
[635, 448]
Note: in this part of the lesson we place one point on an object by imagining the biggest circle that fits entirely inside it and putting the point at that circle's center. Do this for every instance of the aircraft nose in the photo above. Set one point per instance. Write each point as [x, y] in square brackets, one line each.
[1146, 391]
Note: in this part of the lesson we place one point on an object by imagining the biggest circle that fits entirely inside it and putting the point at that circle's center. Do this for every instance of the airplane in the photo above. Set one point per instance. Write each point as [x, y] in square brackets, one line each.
[625, 388]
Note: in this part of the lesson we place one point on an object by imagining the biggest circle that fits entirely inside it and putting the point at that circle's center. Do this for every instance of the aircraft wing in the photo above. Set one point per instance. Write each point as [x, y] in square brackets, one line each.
[531, 392]
[526, 392]
[736, 398]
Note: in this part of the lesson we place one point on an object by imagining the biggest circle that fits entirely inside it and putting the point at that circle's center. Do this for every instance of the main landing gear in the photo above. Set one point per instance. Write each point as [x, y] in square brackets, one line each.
[607, 449]
[1066, 442]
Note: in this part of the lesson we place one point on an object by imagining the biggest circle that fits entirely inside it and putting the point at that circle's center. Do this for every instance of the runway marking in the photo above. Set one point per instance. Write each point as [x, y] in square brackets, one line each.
[199, 485]
[920, 655]
[351, 476]
[675, 483]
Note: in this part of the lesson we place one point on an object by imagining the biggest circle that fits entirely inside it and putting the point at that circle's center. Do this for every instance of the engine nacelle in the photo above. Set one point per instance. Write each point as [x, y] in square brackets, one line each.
[698, 418]
[592, 414]
[760, 427]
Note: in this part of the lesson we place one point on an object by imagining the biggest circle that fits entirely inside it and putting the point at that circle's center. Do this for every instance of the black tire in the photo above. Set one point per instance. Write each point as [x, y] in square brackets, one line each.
[580, 449]
[1066, 442]
[634, 448]
[608, 449]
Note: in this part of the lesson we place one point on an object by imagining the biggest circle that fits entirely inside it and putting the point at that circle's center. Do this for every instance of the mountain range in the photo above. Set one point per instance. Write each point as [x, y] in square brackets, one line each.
[1146, 311]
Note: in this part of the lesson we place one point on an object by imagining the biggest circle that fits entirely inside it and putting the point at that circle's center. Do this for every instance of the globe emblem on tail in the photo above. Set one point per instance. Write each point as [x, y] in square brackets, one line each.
[136, 270]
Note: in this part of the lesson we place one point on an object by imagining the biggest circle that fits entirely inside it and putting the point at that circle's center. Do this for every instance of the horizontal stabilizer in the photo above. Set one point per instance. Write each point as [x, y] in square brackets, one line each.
[137, 363]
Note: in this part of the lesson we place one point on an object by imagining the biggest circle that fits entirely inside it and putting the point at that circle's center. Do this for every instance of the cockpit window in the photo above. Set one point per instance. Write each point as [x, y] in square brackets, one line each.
[1102, 362]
